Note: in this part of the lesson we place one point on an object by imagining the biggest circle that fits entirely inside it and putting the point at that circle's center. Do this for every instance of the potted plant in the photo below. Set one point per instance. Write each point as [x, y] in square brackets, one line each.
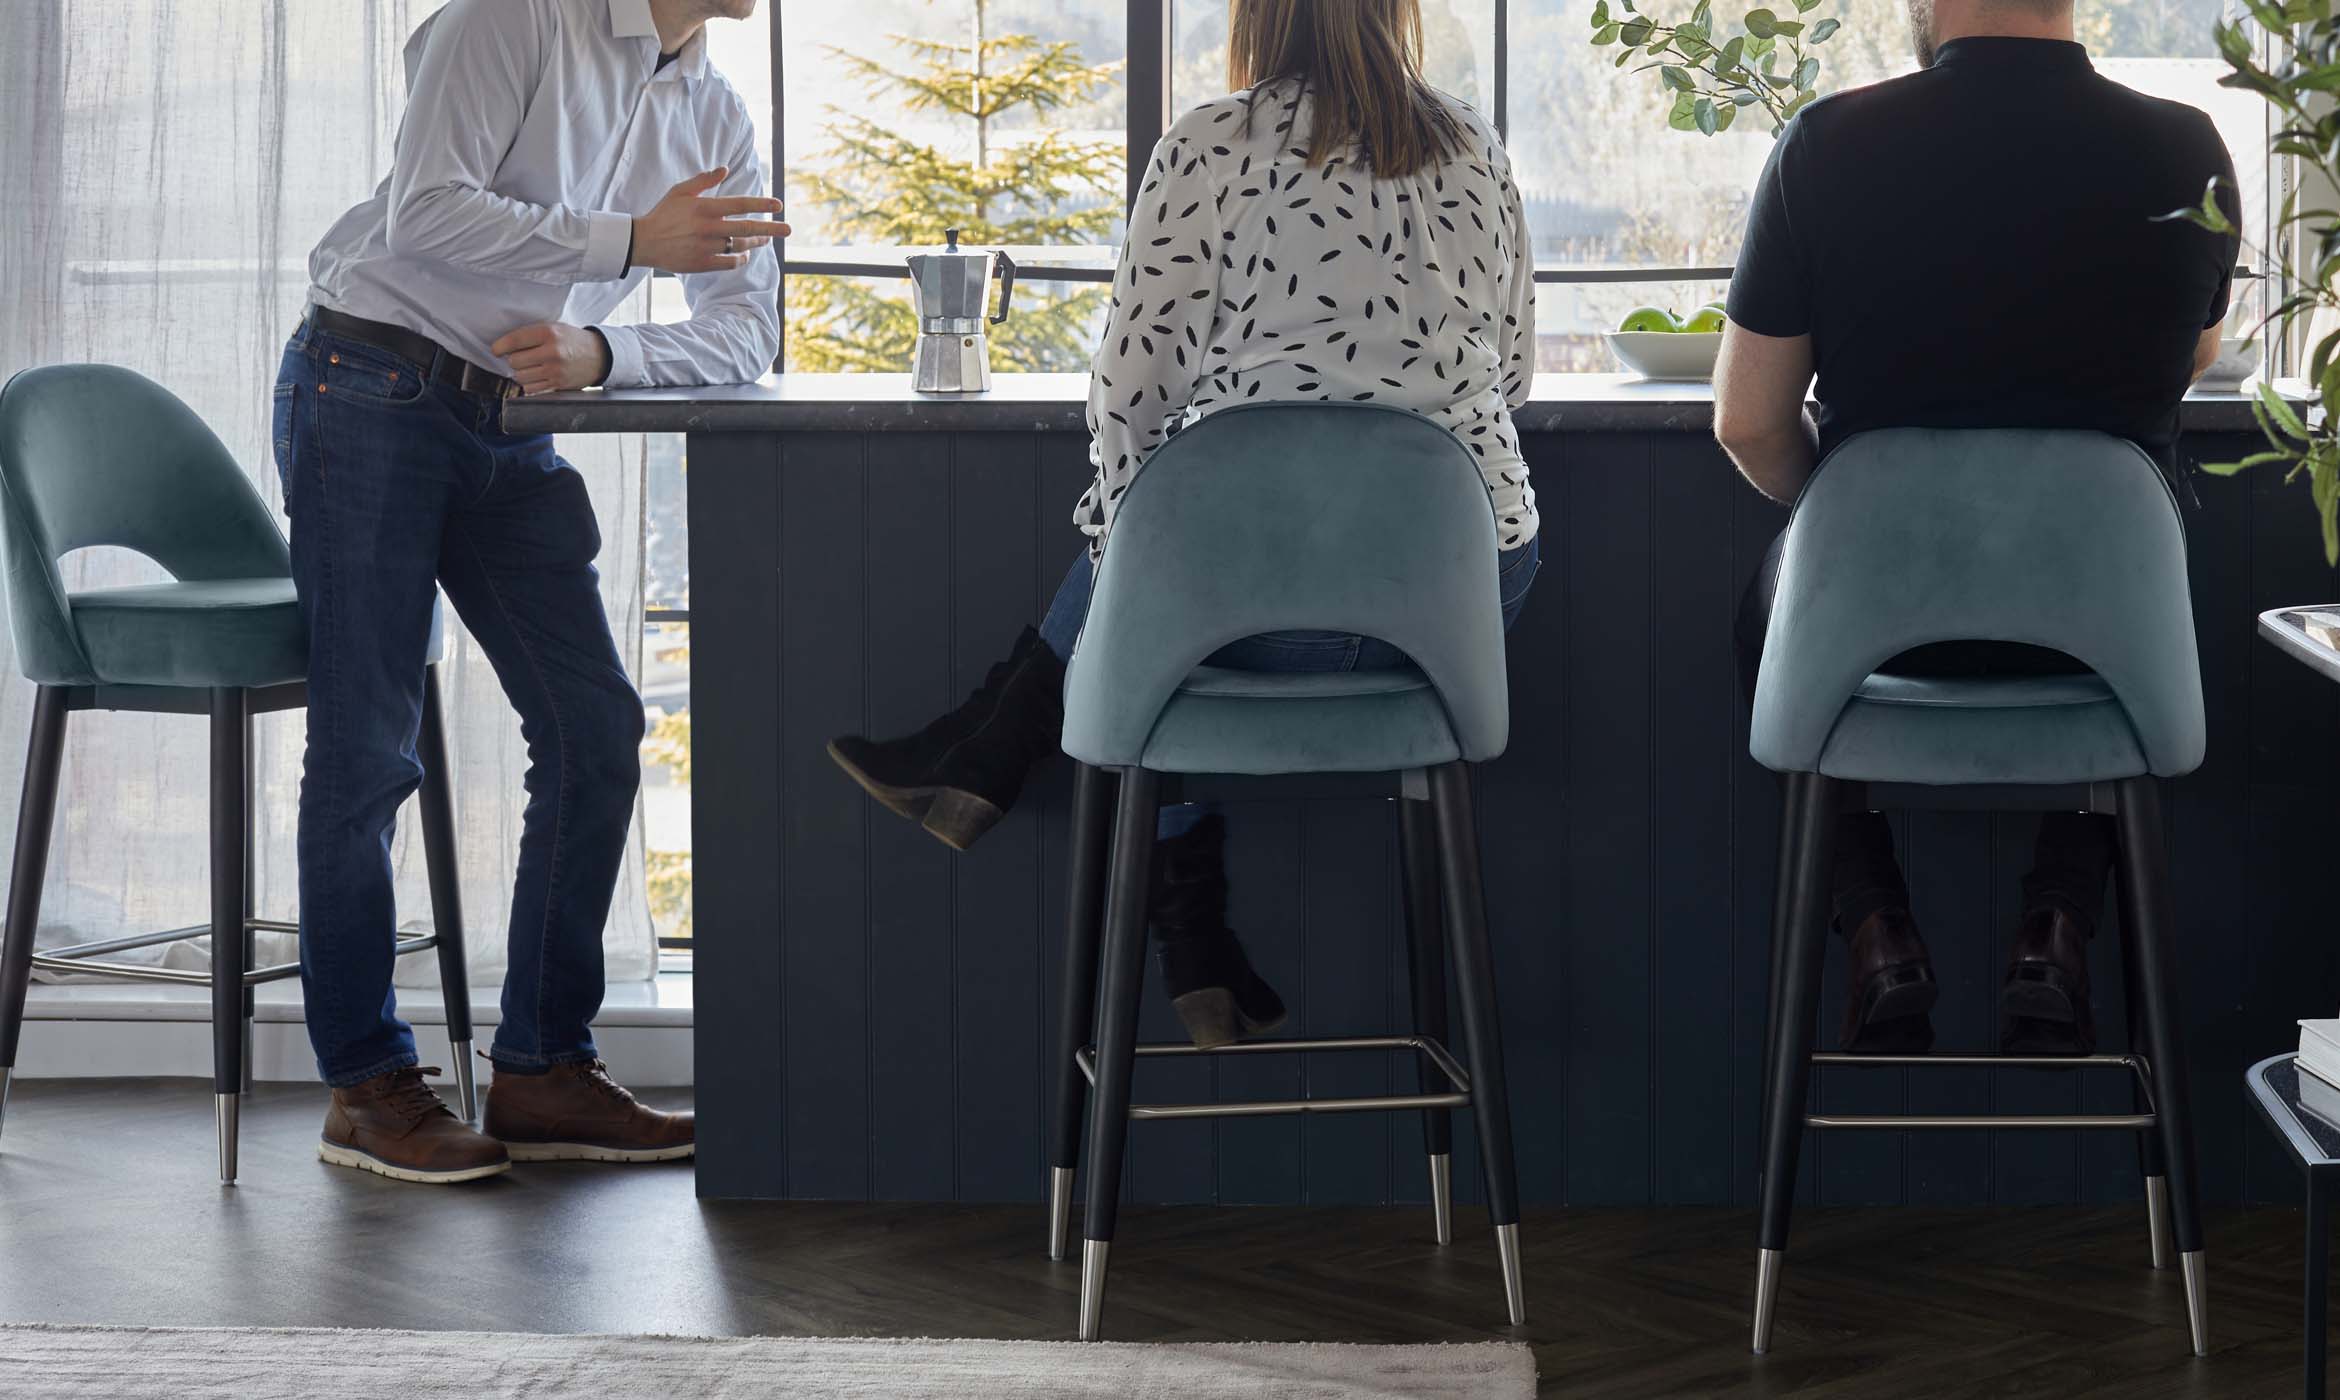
[1768, 63]
[2301, 428]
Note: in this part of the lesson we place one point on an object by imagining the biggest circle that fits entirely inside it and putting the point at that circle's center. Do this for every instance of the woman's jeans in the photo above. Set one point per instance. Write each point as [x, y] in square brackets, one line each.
[1276, 651]
[398, 488]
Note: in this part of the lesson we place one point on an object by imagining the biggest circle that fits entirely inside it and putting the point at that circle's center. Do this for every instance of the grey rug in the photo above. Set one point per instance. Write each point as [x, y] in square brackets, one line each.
[80, 1363]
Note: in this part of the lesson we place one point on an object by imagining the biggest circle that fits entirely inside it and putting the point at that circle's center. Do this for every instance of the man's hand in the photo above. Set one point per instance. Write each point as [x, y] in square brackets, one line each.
[691, 231]
[552, 355]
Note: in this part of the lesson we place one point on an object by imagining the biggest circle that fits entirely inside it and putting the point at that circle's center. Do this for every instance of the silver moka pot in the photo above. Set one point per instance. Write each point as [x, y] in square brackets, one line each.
[948, 290]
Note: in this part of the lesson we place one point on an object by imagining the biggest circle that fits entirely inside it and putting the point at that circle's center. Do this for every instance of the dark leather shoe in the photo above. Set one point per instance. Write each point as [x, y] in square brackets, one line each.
[577, 1113]
[2043, 1004]
[1890, 990]
[959, 775]
[1217, 995]
[394, 1125]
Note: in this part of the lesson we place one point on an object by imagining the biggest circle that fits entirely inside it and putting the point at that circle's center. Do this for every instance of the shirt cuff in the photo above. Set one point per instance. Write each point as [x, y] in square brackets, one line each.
[607, 237]
[625, 357]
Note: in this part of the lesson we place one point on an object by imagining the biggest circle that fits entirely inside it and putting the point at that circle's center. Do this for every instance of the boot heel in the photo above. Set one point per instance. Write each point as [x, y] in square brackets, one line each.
[1210, 1017]
[2039, 991]
[959, 819]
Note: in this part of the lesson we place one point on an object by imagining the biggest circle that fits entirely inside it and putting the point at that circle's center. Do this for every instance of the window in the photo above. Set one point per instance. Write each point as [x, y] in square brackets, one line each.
[881, 149]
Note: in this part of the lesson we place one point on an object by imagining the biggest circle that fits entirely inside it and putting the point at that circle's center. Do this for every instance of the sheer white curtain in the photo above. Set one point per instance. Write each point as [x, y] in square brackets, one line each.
[165, 167]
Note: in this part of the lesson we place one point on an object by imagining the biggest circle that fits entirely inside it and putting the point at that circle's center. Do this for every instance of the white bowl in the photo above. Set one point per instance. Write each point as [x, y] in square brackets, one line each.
[1667, 354]
[2238, 360]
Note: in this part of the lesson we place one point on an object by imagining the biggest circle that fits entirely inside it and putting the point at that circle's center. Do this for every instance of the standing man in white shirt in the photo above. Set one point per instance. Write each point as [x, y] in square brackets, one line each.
[552, 154]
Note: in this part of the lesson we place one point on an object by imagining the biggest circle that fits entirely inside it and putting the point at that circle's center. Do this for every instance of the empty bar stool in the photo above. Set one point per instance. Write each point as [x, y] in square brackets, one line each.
[97, 455]
[1353, 518]
[2065, 540]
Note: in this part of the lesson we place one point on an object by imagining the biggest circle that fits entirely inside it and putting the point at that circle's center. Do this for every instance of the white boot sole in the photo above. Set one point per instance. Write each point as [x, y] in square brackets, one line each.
[589, 1152]
[351, 1157]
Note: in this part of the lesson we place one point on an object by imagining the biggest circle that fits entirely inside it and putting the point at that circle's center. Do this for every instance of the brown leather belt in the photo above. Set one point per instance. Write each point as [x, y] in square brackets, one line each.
[438, 364]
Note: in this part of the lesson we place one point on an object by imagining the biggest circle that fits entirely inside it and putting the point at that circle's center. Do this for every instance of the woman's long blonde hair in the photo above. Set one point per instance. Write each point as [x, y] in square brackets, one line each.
[1362, 59]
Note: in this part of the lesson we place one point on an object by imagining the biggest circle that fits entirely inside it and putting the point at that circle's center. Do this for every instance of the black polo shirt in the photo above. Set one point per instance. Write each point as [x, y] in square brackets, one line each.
[1974, 245]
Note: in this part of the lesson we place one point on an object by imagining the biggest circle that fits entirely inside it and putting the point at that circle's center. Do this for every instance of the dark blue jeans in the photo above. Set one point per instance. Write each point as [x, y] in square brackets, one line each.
[1276, 651]
[398, 487]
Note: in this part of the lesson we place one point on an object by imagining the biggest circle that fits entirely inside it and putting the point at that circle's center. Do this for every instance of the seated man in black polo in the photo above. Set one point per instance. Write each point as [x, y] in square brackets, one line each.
[1972, 245]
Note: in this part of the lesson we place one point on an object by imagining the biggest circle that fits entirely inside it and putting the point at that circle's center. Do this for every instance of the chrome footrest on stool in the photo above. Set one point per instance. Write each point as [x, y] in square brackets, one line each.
[86, 957]
[1429, 1049]
[2135, 1064]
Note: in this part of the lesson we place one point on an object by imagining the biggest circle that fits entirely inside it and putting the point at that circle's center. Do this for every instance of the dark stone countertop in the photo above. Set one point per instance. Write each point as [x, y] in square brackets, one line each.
[1024, 403]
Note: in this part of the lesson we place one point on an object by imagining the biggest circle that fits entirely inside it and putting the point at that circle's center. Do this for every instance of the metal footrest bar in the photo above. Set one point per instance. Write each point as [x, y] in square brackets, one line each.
[1434, 1052]
[81, 959]
[2131, 1122]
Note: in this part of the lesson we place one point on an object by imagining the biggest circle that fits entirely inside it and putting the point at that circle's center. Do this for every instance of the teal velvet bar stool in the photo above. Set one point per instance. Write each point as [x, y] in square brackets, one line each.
[1262, 518]
[96, 455]
[2065, 540]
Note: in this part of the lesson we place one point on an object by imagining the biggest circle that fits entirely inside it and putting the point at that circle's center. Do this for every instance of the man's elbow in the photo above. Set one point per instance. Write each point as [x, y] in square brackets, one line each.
[1743, 435]
[409, 224]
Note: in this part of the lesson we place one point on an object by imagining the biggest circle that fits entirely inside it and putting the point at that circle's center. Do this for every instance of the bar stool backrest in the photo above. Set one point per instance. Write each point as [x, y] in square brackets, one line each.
[2060, 539]
[100, 455]
[1351, 518]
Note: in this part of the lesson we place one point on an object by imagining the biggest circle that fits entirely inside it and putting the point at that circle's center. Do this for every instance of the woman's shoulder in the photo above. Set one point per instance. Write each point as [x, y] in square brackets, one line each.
[1220, 121]
[1484, 143]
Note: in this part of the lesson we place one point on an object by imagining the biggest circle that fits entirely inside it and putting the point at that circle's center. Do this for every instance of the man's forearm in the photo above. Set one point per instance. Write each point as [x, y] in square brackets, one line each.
[1776, 462]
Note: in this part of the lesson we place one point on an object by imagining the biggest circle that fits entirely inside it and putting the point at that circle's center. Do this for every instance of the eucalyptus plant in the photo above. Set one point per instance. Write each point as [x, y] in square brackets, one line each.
[2302, 430]
[1768, 64]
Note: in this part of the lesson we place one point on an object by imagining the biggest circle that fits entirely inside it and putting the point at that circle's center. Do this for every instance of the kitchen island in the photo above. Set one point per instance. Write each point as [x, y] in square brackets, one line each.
[874, 1011]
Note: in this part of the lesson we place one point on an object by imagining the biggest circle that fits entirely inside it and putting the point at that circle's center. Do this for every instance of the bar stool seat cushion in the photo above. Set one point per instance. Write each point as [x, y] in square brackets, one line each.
[1985, 729]
[1222, 721]
[208, 632]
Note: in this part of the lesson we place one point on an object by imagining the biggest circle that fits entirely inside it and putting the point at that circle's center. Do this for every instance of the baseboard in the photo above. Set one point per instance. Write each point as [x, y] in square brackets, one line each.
[144, 1030]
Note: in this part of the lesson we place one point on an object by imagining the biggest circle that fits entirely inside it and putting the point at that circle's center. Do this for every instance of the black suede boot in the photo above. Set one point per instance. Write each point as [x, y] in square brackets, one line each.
[959, 775]
[1211, 984]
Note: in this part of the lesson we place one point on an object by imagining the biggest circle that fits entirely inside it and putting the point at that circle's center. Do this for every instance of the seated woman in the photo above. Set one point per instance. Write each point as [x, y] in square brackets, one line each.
[1334, 230]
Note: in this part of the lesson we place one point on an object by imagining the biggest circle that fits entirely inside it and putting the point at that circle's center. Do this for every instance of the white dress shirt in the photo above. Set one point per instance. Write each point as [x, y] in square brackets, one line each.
[534, 131]
[1248, 276]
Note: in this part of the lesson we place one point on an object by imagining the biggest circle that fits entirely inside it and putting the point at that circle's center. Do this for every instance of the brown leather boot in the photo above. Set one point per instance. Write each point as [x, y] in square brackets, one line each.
[394, 1125]
[577, 1113]
[2043, 1004]
[1890, 988]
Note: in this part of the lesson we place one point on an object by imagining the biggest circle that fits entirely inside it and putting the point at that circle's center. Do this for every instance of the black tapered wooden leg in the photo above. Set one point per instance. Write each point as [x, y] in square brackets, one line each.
[1124, 957]
[251, 779]
[1426, 975]
[2319, 1259]
[1092, 838]
[228, 730]
[2144, 876]
[1806, 838]
[444, 870]
[2150, 1164]
[35, 818]
[1465, 899]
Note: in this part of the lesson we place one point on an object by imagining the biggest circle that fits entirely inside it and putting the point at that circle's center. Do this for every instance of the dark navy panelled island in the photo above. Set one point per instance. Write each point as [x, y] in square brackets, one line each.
[874, 1010]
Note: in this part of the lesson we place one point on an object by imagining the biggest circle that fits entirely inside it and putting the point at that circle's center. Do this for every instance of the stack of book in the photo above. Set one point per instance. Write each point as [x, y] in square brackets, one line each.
[2319, 1069]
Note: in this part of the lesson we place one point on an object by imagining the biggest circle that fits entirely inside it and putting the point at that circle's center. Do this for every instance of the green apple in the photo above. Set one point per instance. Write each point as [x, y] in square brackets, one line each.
[1649, 318]
[1704, 321]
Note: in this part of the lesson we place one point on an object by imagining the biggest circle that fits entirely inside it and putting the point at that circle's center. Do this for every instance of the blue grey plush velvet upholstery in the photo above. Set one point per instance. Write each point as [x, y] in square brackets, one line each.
[1277, 517]
[98, 455]
[2066, 540]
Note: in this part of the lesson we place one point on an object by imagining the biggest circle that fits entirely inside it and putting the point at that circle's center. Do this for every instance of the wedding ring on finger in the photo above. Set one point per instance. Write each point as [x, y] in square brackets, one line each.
[730, 244]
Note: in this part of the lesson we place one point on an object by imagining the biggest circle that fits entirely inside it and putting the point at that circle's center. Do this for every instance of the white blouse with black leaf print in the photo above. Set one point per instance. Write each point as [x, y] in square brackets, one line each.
[1248, 275]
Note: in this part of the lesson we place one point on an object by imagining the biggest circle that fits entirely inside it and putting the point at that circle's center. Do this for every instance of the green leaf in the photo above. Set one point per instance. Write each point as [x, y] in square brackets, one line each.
[2281, 412]
[1600, 13]
[1606, 34]
[1623, 59]
[1806, 6]
[1684, 116]
[1745, 99]
[1703, 114]
[1732, 52]
[1807, 72]
[1787, 28]
[1762, 23]
[1635, 32]
[1723, 115]
[1826, 29]
[1677, 77]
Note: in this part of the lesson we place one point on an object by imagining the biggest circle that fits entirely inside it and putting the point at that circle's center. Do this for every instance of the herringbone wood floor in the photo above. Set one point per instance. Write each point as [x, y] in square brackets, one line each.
[109, 1213]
